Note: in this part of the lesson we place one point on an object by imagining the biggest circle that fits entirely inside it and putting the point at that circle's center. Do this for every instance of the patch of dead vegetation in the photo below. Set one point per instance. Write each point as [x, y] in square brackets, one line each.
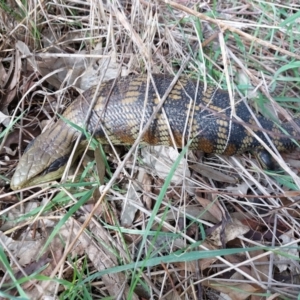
[210, 228]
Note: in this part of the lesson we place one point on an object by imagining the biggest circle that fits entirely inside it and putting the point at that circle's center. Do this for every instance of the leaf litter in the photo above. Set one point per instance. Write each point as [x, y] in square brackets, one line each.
[212, 202]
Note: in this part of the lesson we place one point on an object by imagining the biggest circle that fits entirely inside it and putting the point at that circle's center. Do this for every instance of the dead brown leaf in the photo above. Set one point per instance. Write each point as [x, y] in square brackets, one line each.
[233, 229]
[237, 259]
[212, 206]
[261, 270]
[203, 264]
[11, 81]
[235, 291]
[214, 174]
[147, 188]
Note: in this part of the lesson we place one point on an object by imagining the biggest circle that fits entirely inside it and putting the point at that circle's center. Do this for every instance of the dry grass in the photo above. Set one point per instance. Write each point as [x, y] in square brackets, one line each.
[223, 226]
